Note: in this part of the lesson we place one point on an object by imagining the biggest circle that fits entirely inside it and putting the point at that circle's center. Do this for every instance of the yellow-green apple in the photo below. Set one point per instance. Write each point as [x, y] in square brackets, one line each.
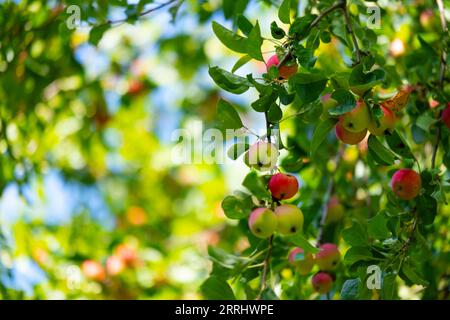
[285, 71]
[335, 210]
[406, 184]
[283, 186]
[347, 136]
[387, 121]
[303, 261]
[262, 222]
[262, 156]
[289, 219]
[356, 120]
[322, 282]
[328, 257]
[446, 116]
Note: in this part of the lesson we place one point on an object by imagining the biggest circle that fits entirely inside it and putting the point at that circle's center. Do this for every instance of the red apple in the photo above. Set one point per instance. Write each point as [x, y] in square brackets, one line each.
[446, 116]
[283, 186]
[349, 137]
[406, 184]
[285, 71]
[322, 282]
[304, 262]
[328, 257]
[93, 270]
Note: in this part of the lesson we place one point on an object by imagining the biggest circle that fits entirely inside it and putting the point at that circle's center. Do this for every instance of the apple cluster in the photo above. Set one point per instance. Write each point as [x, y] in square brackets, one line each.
[327, 259]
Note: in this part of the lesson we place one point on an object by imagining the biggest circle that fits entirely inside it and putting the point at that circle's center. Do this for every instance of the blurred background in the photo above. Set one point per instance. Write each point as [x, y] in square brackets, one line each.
[92, 203]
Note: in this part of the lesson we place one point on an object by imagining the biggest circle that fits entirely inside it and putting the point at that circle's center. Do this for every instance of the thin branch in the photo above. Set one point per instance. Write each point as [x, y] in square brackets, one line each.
[350, 30]
[441, 79]
[328, 193]
[143, 13]
[266, 263]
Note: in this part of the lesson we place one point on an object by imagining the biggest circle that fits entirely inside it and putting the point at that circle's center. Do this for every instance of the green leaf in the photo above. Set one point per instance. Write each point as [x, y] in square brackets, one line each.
[427, 208]
[215, 288]
[320, 133]
[357, 253]
[269, 294]
[349, 289]
[235, 208]
[410, 272]
[230, 39]
[244, 25]
[284, 12]
[300, 26]
[377, 227]
[274, 114]
[379, 152]
[256, 185]
[277, 32]
[399, 145]
[356, 235]
[388, 287]
[229, 81]
[237, 149]
[346, 102]
[96, 33]
[228, 116]
[305, 56]
[265, 102]
[299, 240]
[286, 98]
[243, 60]
[308, 86]
[254, 43]
[361, 81]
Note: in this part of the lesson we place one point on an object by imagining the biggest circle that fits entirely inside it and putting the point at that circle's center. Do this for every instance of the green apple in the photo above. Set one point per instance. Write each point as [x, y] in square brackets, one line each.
[303, 261]
[262, 222]
[387, 121]
[358, 119]
[262, 156]
[328, 257]
[335, 210]
[327, 104]
[289, 218]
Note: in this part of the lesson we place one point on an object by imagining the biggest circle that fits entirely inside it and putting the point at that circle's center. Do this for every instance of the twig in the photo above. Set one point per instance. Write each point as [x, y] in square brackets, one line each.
[350, 30]
[441, 79]
[328, 193]
[266, 262]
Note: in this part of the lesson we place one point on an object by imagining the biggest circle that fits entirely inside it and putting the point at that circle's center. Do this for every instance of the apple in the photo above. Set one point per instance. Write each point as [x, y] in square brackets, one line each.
[406, 184]
[93, 270]
[328, 257]
[387, 121]
[322, 282]
[335, 210]
[114, 265]
[347, 136]
[304, 262]
[283, 186]
[127, 253]
[135, 87]
[446, 116]
[397, 47]
[262, 222]
[356, 120]
[262, 156]
[289, 219]
[285, 71]
[427, 18]
[327, 104]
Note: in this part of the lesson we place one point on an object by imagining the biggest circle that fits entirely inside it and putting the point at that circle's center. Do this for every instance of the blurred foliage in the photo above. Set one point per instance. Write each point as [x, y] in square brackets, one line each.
[92, 204]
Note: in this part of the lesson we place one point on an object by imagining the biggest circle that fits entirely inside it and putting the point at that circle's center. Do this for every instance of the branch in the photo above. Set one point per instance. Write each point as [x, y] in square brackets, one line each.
[441, 79]
[143, 13]
[350, 30]
[265, 269]
[328, 193]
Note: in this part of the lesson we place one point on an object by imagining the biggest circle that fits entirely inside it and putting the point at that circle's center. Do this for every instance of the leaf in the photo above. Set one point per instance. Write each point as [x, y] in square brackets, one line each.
[264, 103]
[243, 60]
[286, 98]
[388, 286]
[237, 149]
[284, 12]
[235, 208]
[357, 253]
[277, 32]
[355, 235]
[228, 116]
[256, 185]
[349, 289]
[410, 272]
[427, 208]
[254, 43]
[269, 294]
[399, 145]
[96, 33]
[320, 133]
[299, 240]
[305, 56]
[377, 228]
[230, 39]
[229, 81]
[300, 26]
[346, 102]
[244, 24]
[360, 82]
[308, 86]
[380, 153]
[215, 288]
[274, 114]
